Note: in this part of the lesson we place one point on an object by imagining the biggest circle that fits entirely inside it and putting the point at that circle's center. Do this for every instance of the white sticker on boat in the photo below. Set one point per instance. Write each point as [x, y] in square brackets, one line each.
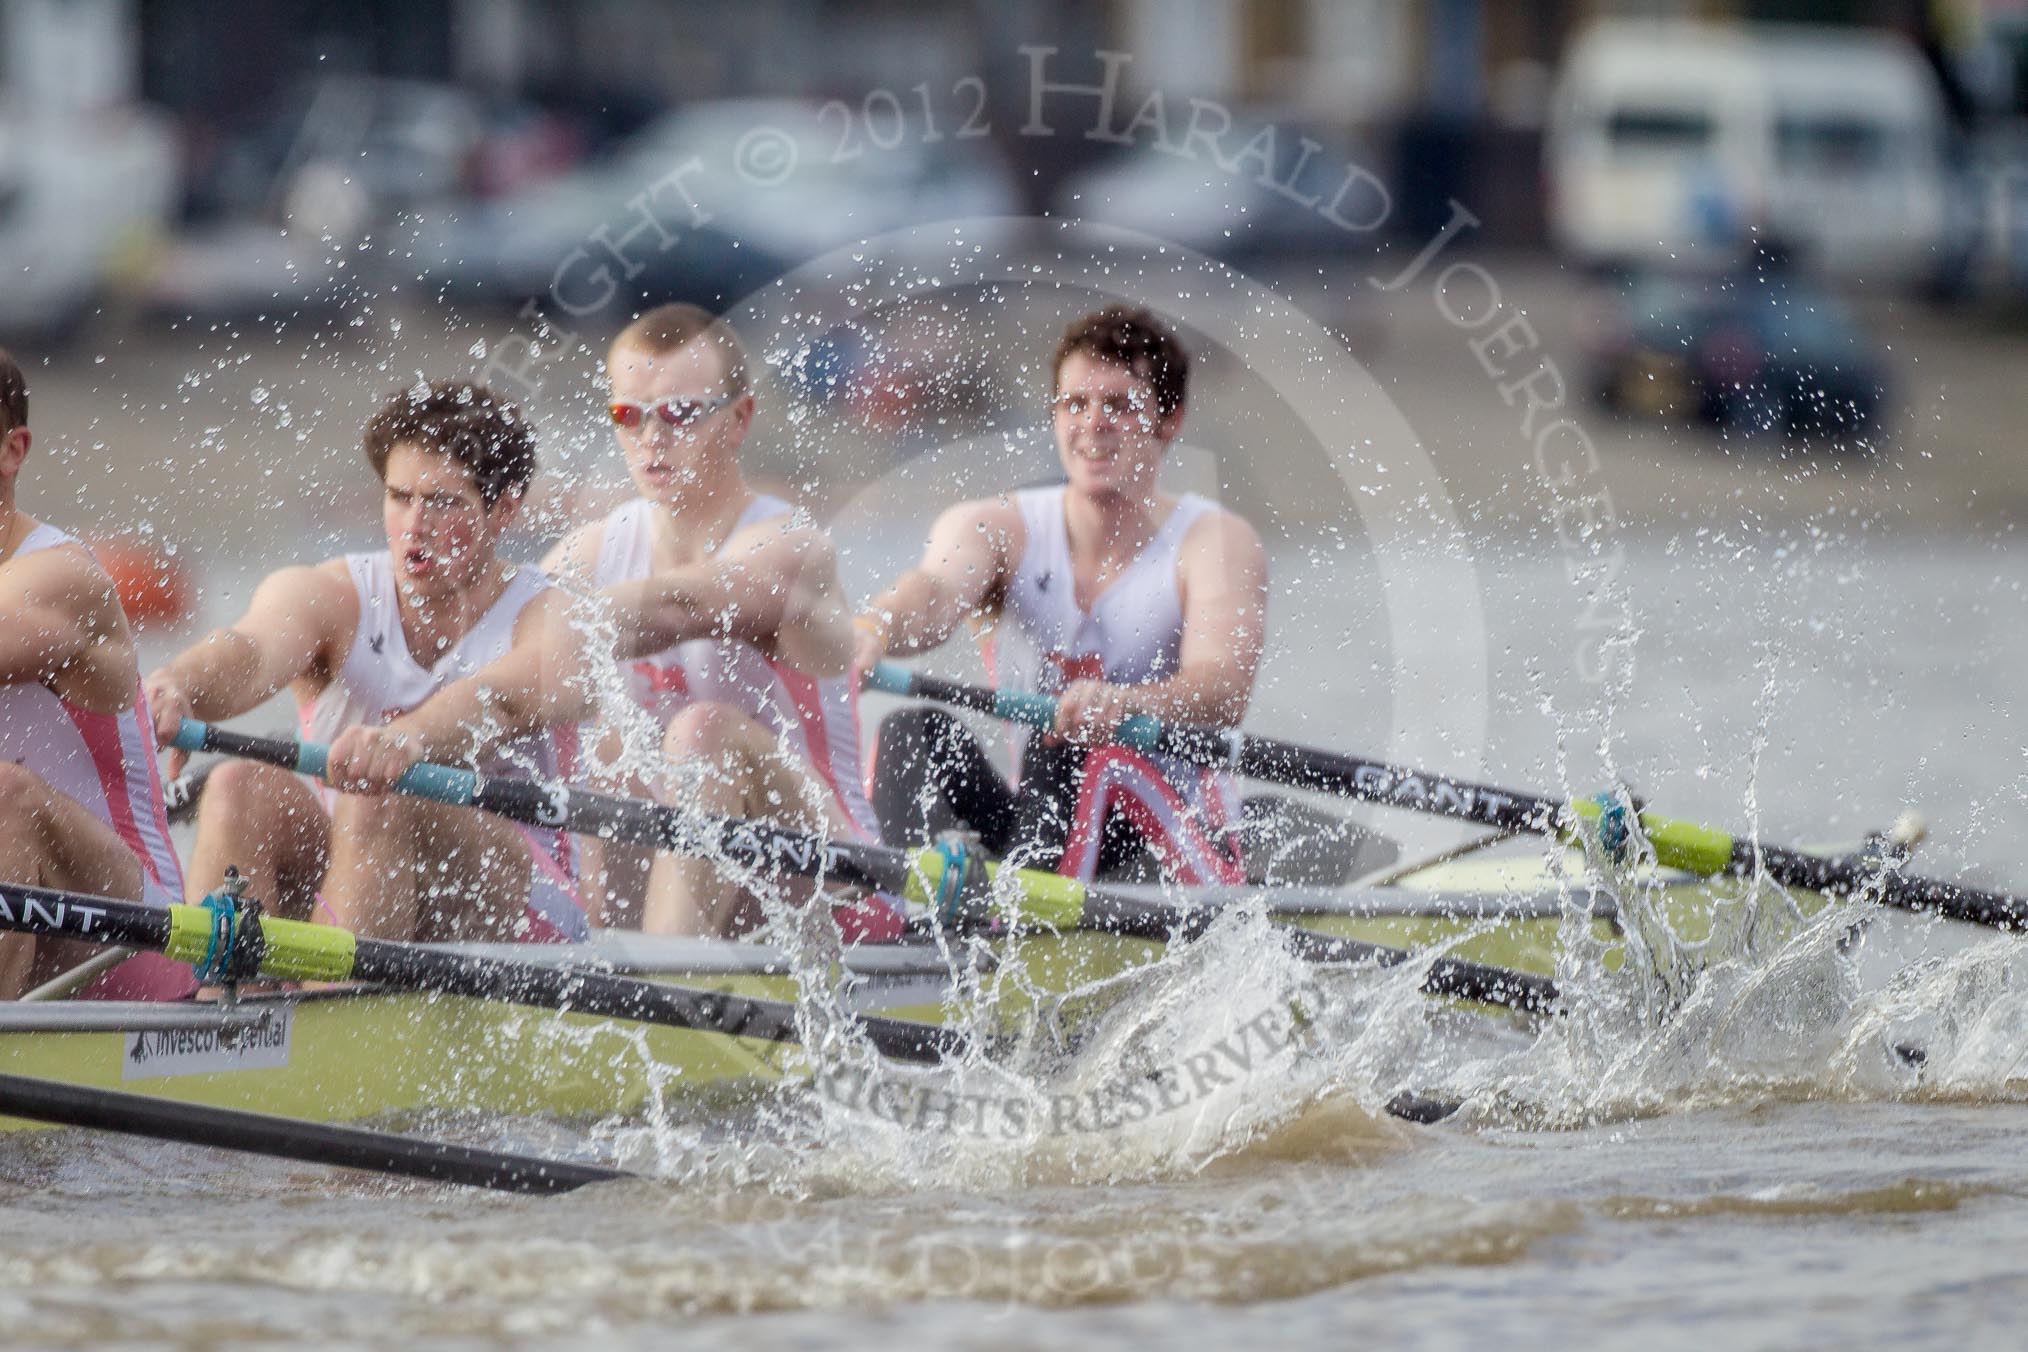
[259, 1045]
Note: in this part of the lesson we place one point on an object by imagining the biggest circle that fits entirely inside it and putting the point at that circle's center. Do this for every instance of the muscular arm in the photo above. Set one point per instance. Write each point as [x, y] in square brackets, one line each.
[297, 618]
[772, 587]
[576, 555]
[965, 564]
[54, 609]
[541, 681]
[1225, 593]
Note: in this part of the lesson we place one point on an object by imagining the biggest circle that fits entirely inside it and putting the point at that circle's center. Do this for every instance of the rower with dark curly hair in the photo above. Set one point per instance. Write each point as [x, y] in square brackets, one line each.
[362, 639]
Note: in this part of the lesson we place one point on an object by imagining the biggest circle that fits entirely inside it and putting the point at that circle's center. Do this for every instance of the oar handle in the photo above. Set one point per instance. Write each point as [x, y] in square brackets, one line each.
[1046, 899]
[439, 783]
[559, 807]
[1138, 732]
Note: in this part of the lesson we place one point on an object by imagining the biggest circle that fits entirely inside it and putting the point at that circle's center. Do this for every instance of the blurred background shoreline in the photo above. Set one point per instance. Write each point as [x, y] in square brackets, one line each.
[1781, 267]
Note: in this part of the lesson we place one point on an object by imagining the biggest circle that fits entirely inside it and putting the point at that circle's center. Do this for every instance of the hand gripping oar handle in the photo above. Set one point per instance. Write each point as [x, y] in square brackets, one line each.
[1677, 844]
[1137, 733]
[583, 811]
[1254, 757]
[1045, 899]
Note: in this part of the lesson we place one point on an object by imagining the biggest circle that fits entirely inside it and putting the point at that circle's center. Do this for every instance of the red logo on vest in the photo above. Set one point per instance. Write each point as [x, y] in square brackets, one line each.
[1088, 667]
[661, 680]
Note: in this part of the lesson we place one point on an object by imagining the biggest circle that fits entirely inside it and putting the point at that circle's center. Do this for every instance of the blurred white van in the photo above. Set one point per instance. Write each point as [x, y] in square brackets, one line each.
[85, 200]
[1670, 141]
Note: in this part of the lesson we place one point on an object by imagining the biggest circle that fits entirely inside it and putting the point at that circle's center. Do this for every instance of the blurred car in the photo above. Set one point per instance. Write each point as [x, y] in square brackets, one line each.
[1226, 214]
[275, 215]
[84, 204]
[1753, 350]
[341, 155]
[779, 184]
[902, 371]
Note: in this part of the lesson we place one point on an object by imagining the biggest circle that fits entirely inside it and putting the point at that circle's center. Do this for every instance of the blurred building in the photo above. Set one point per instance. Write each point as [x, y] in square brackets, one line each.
[1449, 97]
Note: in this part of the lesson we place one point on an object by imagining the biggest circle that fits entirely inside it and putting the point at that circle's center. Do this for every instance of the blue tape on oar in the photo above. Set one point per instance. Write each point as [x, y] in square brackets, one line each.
[889, 679]
[1141, 732]
[1025, 706]
[313, 759]
[1615, 826]
[443, 783]
[439, 783]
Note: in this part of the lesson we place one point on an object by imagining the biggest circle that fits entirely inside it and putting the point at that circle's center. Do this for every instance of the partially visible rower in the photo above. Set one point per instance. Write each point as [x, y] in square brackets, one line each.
[1113, 595]
[80, 797]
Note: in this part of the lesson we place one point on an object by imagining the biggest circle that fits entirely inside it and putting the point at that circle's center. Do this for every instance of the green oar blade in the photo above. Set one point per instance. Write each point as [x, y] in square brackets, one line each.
[294, 950]
[1678, 844]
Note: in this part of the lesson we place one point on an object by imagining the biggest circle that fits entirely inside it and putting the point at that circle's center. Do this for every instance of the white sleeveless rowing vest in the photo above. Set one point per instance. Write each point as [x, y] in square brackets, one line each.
[817, 716]
[1133, 635]
[380, 680]
[104, 762]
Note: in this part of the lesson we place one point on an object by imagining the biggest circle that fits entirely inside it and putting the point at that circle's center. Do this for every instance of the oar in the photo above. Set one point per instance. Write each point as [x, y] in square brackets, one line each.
[245, 947]
[1677, 844]
[929, 877]
[290, 1138]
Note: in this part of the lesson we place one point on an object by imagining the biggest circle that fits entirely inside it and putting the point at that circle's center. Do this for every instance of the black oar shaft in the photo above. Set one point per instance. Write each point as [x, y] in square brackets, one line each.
[102, 920]
[767, 848]
[289, 1138]
[108, 920]
[581, 991]
[755, 845]
[1285, 763]
[1851, 875]
[775, 851]
[1677, 844]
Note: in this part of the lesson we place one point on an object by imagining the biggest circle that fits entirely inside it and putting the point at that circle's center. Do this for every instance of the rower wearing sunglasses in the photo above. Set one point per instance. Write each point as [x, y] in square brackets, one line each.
[732, 633]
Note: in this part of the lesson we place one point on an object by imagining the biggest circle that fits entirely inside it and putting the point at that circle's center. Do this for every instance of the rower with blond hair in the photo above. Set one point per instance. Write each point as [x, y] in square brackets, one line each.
[732, 631]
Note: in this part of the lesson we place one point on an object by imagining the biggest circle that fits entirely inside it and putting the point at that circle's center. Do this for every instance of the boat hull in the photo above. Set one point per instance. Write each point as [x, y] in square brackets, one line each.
[349, 1055]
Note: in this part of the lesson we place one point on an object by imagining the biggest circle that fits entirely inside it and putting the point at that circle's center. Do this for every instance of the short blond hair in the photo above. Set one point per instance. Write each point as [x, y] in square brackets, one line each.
[666, 328]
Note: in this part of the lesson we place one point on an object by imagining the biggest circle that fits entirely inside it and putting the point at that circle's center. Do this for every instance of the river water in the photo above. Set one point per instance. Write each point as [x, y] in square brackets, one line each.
[1759, 1168]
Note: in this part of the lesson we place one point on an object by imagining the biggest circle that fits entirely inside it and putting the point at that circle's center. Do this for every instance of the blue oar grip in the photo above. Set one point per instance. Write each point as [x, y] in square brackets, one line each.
[1138, 733]
[1142, 732]
[189, 735]
[441, 783]
[1025, 706]
[889, 679]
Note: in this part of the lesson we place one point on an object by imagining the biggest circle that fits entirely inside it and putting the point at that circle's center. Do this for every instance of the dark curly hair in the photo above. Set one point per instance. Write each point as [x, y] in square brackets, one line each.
[468, 422]
[1128, 336]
